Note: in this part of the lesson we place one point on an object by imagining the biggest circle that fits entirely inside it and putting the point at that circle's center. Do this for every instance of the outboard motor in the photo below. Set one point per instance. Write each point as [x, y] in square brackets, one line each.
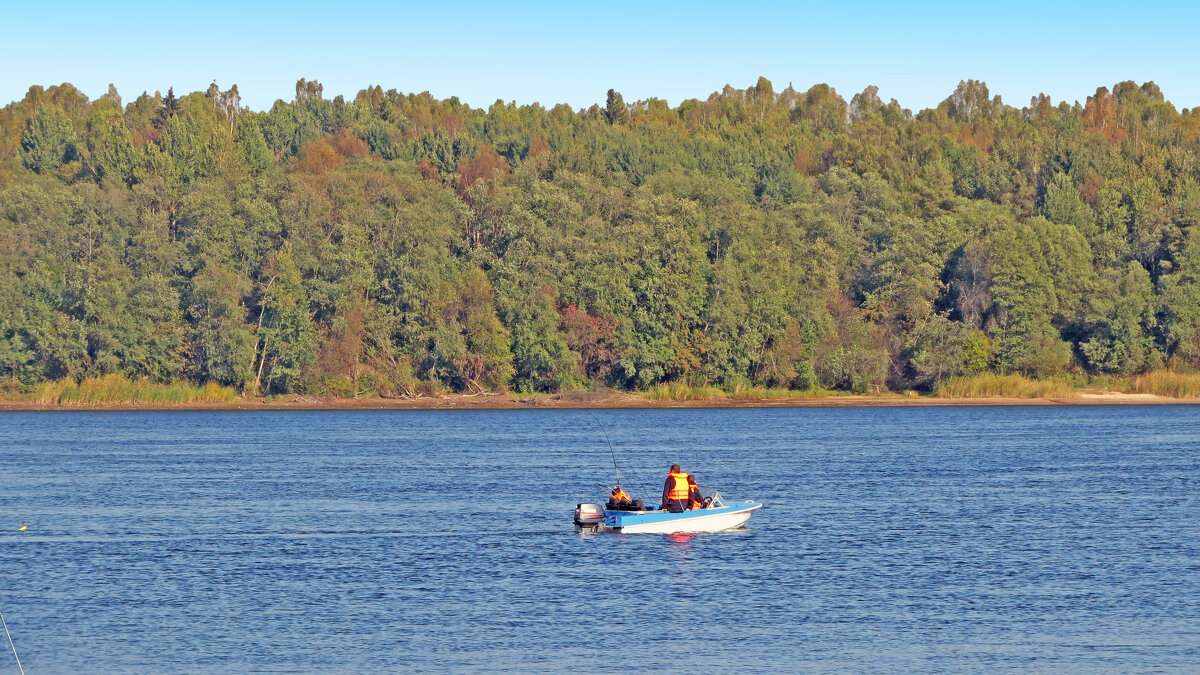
[589, 516]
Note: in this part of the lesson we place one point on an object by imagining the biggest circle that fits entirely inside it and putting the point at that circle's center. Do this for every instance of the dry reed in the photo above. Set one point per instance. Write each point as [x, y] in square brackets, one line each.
[1167, 383]
[1010, 386]
[118, 390]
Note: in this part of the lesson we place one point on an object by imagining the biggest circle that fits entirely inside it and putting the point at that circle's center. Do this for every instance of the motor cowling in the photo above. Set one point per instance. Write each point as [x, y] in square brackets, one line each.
[589, 515]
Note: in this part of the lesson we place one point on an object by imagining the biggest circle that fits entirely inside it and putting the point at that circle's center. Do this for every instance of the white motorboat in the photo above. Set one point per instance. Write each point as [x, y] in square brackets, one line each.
[714, 517]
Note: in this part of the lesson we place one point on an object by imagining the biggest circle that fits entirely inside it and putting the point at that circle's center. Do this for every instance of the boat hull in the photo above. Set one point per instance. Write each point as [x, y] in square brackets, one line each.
[662, 522]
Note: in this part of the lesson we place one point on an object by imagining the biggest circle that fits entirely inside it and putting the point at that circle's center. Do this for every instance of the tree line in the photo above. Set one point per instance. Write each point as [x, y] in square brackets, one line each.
[397, 243]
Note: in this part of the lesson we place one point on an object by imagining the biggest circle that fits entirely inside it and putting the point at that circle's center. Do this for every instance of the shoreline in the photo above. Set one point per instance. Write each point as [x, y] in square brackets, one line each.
[601, 400]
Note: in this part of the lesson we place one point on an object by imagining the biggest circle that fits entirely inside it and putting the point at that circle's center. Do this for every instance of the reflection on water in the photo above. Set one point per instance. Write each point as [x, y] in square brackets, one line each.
[892, 539]
[681, 538]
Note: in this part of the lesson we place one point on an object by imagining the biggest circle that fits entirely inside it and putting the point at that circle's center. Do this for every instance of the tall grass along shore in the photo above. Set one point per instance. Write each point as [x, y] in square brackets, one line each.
[683, 392]
[1167, 383]
[120, 390]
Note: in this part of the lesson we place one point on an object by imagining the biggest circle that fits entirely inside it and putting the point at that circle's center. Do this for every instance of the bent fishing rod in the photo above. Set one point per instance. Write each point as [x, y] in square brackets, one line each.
[10, 643]
[612, 453]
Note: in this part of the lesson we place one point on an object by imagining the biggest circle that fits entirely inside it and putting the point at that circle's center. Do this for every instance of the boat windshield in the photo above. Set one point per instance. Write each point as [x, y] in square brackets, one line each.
[711, 493]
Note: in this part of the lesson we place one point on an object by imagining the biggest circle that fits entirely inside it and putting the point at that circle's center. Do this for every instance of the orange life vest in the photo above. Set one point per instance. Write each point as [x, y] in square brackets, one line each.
[620, 496]
[680, 490]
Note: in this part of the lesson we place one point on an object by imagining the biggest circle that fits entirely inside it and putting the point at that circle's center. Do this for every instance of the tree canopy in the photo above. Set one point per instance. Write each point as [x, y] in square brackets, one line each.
[398, 243]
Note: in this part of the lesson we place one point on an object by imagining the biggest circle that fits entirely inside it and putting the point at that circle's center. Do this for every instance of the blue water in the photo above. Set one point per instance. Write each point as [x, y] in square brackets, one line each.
[894, 539]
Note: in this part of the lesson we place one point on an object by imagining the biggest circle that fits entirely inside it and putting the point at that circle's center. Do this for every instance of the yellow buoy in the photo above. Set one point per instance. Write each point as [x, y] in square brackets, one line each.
[23, 527]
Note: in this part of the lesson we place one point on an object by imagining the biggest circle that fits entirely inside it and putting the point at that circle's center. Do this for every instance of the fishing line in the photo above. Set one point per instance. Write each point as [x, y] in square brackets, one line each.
[611, 452]
[10, 643]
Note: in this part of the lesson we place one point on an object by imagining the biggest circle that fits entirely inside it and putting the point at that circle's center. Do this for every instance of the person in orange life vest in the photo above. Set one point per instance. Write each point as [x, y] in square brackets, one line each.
[675, 491]
[619, 498]
[695, 501]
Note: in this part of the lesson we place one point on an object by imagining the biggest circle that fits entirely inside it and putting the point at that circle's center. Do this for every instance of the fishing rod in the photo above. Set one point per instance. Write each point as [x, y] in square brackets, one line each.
[10, 643]
[612, 453]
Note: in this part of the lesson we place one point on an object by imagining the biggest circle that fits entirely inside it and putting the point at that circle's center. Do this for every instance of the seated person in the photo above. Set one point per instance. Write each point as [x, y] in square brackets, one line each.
[695, 501]
[620, 500]
[618, 497]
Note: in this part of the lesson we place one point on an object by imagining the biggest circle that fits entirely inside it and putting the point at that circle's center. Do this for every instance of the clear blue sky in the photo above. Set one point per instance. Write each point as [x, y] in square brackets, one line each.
[572, 52]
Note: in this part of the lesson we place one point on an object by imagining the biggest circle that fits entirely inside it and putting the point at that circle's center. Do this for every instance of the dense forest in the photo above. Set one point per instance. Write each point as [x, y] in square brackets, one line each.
[397, 244]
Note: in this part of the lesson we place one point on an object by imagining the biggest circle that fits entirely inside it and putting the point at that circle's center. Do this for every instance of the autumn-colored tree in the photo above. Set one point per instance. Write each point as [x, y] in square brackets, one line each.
[538, 147]
[339, 361]
[427, 170]
[592, 337]
[348, 145]
[1100, 116]
[486, 165]
[318, 157]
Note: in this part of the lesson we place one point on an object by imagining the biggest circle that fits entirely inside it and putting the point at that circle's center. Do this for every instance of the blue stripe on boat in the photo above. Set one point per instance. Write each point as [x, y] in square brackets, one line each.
[616, 519]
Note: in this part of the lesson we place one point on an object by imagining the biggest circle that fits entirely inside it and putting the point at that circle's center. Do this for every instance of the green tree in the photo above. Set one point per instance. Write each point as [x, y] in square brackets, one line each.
[615, 109]
[470, 346]
[1120, 316]
[222, 344]
[1063, 205]
[48, 141]
[542, 359]
[287, 338]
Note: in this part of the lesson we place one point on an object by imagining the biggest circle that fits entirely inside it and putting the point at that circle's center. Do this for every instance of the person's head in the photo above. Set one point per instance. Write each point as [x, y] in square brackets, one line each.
[617, 490]
[675, 468]
[691, 479]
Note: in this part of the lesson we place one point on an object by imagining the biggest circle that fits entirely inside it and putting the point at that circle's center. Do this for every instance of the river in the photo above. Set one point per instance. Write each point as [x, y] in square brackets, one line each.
[893, 539]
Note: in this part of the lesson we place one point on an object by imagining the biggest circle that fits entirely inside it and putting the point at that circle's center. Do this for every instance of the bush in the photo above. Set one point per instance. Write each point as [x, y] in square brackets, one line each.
[338, 386]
